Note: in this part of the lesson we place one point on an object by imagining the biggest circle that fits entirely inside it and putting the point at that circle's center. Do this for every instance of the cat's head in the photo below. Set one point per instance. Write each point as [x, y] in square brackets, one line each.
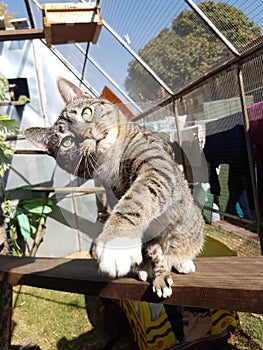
[84, 130]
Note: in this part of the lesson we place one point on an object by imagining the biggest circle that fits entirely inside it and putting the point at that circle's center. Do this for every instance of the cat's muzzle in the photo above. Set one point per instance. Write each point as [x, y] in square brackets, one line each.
[89, 146]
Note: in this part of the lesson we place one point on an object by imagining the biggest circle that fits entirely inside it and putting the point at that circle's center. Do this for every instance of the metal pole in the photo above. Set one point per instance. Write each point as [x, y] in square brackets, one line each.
[214, 29]
[137, 57]
[30, 14]
[249, 152]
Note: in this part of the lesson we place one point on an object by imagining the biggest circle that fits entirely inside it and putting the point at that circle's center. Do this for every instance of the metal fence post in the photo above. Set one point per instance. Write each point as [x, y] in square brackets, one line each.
[249, 151]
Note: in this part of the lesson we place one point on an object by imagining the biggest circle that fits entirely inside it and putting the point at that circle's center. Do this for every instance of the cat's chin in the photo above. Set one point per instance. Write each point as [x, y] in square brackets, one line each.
[89, 146]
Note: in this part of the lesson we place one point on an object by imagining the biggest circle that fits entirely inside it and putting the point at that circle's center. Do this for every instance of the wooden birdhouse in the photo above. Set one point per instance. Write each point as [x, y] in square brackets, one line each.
[69, 22]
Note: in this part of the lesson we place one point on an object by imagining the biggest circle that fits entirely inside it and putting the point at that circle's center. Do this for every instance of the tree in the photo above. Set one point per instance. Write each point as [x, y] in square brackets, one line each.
[188, 49]
[7, 15]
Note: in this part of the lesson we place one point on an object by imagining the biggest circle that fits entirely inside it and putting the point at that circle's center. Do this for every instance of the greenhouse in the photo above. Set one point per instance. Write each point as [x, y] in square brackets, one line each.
[188, 71]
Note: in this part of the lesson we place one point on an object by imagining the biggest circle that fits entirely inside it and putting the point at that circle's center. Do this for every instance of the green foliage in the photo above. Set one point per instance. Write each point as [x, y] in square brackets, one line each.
[23, 98]
[188, 48]
[7, 15]
[25, 219]
[7, 127]
[3, 87]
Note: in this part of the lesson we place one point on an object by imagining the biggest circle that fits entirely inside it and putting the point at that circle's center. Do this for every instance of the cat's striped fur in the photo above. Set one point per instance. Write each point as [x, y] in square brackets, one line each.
[155, 225]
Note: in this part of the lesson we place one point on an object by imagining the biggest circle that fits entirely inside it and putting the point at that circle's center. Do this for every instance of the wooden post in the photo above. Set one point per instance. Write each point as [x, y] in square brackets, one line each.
[5, 315]
[5, 294]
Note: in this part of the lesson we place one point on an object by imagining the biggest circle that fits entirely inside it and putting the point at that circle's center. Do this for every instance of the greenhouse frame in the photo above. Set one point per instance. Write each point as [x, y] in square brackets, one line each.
[191, 70]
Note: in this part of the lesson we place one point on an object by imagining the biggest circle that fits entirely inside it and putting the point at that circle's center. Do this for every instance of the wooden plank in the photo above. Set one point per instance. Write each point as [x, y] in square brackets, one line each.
[85, 190]
[21, 34]
[68, 22]
[29, 151]
[11, 103]
[232, 283]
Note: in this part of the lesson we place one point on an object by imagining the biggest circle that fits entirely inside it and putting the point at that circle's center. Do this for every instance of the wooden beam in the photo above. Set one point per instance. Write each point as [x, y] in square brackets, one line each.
[231, 283]
[11, 103]
[29, 151]
[21, 34]
[6, 294]
[67, 190]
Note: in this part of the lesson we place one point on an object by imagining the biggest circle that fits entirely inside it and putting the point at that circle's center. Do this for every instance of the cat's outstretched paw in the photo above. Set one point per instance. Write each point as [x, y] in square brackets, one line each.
[186, 266]
[117, 256]
[162, 285]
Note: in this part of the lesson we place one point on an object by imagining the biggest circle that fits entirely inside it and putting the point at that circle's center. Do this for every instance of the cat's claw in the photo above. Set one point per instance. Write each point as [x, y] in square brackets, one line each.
[163, 293]
[162, 285]
[116, 257]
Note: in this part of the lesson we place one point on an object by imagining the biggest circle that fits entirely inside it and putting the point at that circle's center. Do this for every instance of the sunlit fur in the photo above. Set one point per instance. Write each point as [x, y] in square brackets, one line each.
[155, 225]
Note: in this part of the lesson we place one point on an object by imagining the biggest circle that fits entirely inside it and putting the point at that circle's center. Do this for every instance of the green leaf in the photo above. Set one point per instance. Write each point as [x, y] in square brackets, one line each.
[7, 126]
[33, 230]
[26, 187]
[36, 206]
[36, 202]
[3, 88]
[23, 98]
[23, 224]
[16, 250]
[37, 209]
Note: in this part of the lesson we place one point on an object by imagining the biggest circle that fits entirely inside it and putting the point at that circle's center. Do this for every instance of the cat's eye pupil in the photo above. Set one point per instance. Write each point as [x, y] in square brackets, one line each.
[67, 141]
[87, 114]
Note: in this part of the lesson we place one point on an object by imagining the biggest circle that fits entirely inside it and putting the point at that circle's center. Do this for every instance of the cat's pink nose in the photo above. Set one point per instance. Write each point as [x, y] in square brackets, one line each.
[88, 134]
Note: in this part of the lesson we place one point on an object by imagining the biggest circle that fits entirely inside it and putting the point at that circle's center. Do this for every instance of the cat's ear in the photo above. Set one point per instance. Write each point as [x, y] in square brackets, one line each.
[38, 136]
[68, 90]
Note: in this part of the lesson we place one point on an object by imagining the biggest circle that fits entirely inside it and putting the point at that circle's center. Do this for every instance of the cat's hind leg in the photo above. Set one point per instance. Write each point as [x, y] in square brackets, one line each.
[183, 265]
[161, 276]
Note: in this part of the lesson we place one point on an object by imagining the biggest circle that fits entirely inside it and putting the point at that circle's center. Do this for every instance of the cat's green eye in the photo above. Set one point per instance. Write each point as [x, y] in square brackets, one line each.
[87, 114]
[67, 141]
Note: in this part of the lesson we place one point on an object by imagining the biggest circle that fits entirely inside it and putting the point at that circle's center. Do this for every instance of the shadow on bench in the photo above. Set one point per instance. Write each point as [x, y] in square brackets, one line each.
[232, 283]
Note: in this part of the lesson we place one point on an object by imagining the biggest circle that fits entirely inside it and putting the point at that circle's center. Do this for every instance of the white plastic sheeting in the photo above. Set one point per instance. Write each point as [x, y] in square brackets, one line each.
[73, 222]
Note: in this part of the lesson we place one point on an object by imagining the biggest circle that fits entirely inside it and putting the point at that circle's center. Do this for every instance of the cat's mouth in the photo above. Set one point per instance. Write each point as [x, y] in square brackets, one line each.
[91, 143]
[98, 137]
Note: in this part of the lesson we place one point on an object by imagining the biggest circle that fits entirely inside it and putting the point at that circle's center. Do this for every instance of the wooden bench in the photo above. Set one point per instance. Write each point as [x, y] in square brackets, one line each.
[231, 283]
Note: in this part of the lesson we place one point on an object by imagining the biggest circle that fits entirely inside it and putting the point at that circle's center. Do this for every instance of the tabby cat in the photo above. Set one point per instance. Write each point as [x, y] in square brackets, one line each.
[155, 225]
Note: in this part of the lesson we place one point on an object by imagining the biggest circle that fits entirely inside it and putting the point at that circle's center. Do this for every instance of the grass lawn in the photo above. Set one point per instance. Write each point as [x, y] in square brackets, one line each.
[55, 320]
[48, 318]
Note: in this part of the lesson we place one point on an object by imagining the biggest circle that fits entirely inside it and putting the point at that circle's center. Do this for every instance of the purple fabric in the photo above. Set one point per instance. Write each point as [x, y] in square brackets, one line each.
[255, 113]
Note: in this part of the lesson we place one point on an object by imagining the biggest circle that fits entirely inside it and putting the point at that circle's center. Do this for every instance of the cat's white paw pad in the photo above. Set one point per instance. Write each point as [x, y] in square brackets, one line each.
[187, 266]
[167, 292]
[162, 285]
[116, 257]
[143, 275]
[163, 292]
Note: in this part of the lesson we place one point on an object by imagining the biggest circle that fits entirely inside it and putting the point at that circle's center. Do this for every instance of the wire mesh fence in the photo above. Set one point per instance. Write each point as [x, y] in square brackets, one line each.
[201, 62]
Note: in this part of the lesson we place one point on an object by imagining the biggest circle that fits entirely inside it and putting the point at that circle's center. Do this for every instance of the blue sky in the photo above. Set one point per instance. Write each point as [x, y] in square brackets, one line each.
[16, 6]
[142, 20]
[112, 10]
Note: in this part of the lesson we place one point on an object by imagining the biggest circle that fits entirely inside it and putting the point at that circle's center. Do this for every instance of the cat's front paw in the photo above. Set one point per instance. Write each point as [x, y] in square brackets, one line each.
[162, 285]
[117, 256]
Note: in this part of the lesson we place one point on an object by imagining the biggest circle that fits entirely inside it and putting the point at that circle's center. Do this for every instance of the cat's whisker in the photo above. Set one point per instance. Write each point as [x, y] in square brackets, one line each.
[77, 167]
